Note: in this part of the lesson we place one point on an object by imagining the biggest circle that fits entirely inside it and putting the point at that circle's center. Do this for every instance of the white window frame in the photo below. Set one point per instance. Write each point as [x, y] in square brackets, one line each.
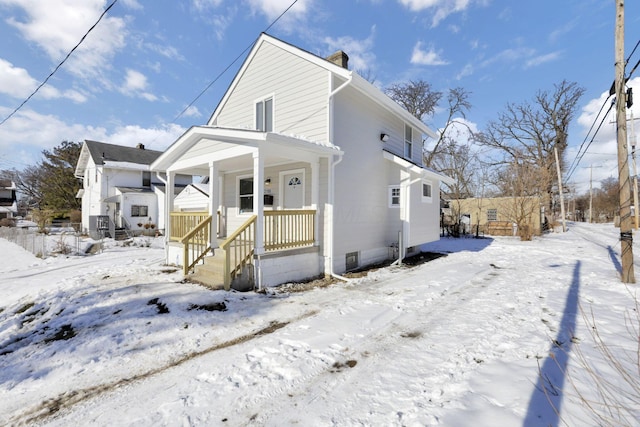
[392, 189]
[263, 102]
[426, 199]
[238, 195]
[493, 217]
[408, 143]
[139, 208]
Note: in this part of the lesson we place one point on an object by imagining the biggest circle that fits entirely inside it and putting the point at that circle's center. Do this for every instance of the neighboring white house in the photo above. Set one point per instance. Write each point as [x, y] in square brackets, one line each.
[119, 192]
[8, 201]
[336, 164]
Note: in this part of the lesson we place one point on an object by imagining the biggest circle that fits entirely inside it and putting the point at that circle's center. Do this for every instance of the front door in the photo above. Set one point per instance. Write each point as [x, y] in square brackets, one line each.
[293, 191]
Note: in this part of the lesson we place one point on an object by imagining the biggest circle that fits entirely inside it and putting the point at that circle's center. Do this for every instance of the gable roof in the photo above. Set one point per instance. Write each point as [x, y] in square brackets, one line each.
[100, 152]
[350, 77]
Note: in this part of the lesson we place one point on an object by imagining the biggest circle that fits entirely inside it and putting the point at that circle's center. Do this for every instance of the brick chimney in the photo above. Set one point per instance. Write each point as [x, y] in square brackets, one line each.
[339, 58]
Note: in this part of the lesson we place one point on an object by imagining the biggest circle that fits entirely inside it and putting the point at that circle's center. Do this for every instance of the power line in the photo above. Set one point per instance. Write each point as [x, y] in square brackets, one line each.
[202, 92]
[59, 65]
[578, 159]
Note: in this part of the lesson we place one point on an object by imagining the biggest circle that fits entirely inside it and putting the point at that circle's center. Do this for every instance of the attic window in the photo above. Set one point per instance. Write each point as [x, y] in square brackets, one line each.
[264, 115]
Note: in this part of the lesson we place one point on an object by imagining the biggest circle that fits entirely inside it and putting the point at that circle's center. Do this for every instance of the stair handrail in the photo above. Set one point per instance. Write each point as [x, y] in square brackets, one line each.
[198, 240]
[243, 250]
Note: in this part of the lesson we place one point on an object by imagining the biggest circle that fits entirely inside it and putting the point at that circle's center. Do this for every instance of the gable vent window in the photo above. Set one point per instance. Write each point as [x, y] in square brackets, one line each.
[264, 115]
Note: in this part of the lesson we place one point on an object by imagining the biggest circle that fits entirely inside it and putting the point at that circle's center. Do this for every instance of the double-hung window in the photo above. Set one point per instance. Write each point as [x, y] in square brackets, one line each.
[245, 194]
[492, 214]
[408, 141]
[139, 211]
[394, 196]
[264, 115]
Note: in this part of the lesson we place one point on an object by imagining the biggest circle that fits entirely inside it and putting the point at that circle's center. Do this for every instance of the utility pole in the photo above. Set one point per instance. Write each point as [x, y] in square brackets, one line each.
[564, 224]
[590, 193]
[626, 232]
[635, 171]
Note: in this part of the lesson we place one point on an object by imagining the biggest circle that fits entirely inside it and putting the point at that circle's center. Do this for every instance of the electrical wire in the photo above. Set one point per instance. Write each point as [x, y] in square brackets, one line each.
[588, 145]
[589, 132]
[202, 92]
[59, 65]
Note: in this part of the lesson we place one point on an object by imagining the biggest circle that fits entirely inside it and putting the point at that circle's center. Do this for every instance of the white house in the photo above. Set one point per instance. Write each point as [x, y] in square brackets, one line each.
[119, 193]
[8, 201]
[311, 170]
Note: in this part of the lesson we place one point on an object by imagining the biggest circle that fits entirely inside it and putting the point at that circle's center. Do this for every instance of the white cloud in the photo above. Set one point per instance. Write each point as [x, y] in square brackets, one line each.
[467, 70]
[542, 59]
[441, 8]
[28, 133]
[17, 83]
[601, 151]
[192, 111]
[56, 30]
[426, 57]
[154, 138]
[136, 84]
[272, 9]
[361, 56]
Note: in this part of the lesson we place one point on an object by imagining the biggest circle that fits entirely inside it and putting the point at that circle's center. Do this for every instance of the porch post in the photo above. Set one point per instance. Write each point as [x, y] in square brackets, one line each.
[258, 210]
[169, 194]
[214, 202]
[315, 191]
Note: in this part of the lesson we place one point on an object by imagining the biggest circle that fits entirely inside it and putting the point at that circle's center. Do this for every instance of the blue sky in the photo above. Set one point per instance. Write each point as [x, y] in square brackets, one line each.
[145, 62]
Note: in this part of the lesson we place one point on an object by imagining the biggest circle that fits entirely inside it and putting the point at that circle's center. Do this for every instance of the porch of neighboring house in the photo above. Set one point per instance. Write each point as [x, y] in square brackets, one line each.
[264, 223]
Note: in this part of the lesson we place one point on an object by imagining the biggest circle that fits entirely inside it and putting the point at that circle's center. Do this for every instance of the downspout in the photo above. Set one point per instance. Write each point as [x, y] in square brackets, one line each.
[332, 173]
[401, 234]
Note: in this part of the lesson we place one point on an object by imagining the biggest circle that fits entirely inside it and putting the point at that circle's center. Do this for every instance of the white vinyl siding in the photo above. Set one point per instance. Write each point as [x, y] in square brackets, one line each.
[301, 89]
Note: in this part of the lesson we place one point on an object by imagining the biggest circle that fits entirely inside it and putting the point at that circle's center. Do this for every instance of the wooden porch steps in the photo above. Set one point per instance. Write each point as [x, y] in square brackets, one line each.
[211, 272]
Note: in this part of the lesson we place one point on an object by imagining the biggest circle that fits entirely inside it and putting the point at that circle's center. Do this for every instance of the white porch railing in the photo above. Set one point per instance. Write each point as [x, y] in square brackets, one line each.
[286, 229]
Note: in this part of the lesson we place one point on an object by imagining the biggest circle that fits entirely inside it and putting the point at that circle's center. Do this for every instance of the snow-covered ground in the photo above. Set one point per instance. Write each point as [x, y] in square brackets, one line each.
[496, 333]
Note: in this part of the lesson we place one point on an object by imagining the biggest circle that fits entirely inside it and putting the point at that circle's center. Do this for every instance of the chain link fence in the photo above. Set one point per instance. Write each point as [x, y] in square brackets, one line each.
[43, 245]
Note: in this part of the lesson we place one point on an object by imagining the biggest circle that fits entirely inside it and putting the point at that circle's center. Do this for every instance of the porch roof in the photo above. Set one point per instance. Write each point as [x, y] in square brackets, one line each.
[202, 144]
[419, 170]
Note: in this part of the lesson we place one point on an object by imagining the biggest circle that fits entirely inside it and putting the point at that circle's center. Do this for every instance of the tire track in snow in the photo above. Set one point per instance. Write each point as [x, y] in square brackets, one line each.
[64, 401]
[368, 355]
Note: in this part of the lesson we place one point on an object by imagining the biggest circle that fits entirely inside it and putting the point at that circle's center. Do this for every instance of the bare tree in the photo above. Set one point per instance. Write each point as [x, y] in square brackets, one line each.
[458, 104]
[416, 96]
[528, 132]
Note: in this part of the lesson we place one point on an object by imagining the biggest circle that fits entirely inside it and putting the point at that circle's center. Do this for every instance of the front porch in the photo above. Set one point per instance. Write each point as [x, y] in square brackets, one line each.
[235, 256]
[266, 198]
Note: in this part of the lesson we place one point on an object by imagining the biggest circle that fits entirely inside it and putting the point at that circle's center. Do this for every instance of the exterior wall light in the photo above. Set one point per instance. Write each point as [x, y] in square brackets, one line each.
[384, 137]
